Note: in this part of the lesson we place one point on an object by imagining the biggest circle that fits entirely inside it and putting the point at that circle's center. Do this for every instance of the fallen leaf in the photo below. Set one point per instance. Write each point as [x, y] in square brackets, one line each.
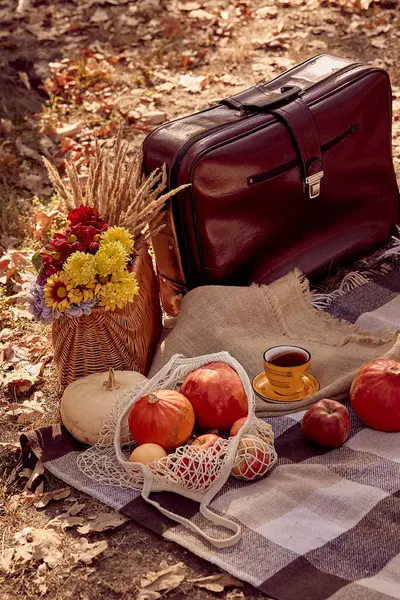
[6, 334]
[43, 223]
[68, 519]
[46, 498]
[38, 544]
[43, 34]
[99, 16]
[162, 581]
[148, 595]
[31, 181]
[234, 595]
[21, 313]
[65, 521]
[40, 577]
[155, 117]
[76, 508]
[217, 583]
[7, 269]
[201, 15]
[266, 11]
[6, 560]
[20, 259]
[26, 152]
[188, 6]
[18, 298]
[22, 380]
[6, 353]
[25, 411]
[86, 552]
[191, 83]
[102, 522]
[279, 41]
[70, 130]
[27, 417]
[379, 42]
[10, 445]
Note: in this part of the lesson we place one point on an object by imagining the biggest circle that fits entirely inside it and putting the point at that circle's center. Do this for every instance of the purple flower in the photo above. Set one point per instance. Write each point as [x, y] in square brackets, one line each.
[37, 306]
[83, 308]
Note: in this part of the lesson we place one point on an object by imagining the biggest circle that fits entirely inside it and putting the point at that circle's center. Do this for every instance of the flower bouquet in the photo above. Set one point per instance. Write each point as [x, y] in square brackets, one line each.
[95, 280]
[88, 264]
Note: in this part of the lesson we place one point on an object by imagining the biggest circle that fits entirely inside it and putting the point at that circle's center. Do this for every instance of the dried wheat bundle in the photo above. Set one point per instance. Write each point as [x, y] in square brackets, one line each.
[115, 187]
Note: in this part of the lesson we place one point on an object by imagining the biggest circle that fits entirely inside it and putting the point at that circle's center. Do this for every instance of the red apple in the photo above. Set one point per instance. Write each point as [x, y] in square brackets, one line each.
[205, 441]
[252, 459]
[327, 423]
[196, 468]
[237, 426]
[216, 393]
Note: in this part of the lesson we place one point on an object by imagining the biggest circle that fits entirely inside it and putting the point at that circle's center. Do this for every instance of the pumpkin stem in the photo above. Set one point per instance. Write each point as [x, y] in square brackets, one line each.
[111, 384]
[152, 399]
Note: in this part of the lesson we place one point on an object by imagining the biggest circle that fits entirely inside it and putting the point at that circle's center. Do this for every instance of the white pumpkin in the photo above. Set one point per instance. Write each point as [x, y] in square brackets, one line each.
[87, 401]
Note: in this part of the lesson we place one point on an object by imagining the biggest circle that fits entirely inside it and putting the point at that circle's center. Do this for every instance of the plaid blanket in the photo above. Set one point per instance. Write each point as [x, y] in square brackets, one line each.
[323, 524]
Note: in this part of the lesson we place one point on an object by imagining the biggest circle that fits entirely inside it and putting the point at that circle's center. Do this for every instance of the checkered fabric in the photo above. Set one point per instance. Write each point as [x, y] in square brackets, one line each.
[324, 524]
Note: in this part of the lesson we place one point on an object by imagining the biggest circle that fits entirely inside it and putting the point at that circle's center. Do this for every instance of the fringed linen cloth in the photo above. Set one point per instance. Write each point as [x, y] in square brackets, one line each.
[245, 321]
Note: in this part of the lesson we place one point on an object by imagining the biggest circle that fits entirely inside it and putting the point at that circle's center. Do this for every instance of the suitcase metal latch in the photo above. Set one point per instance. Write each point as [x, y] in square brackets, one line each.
[313, 183]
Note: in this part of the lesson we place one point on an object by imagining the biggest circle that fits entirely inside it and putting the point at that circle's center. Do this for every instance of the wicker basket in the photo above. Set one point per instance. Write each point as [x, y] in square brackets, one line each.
[125, 339]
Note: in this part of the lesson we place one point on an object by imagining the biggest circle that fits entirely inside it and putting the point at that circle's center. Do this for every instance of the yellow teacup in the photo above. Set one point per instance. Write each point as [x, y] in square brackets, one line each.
[286, 368]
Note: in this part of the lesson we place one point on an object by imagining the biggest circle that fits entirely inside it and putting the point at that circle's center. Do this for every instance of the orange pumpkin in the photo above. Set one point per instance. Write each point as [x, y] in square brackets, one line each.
[164, 417]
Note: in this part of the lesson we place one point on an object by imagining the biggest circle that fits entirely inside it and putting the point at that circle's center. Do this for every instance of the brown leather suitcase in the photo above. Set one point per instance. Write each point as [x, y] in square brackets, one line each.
[296, 172]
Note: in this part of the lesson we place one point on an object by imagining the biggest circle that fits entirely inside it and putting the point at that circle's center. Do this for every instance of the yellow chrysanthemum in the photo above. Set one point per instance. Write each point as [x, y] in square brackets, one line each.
[118, 234]
[56, 292]
[111, 258]
[81, 294]
[118, 291]
[80, 268]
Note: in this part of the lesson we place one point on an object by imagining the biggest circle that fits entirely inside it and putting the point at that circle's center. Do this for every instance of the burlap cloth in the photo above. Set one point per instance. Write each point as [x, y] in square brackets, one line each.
[245, 321]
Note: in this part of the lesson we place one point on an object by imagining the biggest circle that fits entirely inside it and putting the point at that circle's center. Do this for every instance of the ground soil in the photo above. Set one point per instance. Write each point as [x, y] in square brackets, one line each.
[55, 57]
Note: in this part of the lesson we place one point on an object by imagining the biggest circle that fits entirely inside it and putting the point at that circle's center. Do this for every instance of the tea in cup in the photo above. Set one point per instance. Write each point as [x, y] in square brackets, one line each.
[286, 368]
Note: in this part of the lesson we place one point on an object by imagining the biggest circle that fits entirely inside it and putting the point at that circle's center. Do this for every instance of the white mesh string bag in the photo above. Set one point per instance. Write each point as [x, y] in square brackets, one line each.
[195, 473]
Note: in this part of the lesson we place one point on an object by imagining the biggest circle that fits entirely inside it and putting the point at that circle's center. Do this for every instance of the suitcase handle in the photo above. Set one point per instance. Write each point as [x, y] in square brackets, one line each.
[264, 100]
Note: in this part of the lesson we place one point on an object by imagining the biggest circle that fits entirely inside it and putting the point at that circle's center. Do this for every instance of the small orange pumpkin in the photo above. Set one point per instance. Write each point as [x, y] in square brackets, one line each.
[164, 417]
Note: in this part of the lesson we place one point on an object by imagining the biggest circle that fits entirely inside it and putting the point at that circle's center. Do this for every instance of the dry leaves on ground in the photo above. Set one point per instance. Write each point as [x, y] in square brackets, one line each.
[192, 83]
[6, 560]
[44, 499]
[11, 262]
[162, 581]
[86, 552]
[102, 522]
[216, 583]
[38, 544]
[22, 380]
[27, 411]
[68, 518]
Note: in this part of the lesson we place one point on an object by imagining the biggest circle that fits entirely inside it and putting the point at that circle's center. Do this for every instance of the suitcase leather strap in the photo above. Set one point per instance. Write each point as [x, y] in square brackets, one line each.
[299, 120]
[296, 115]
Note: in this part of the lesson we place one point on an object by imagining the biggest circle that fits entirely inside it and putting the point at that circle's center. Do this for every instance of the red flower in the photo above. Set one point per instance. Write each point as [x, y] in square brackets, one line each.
[84, 235]
[45, 272]
[48, 268]
[94, 246]
[86, 215]
[60, 247]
